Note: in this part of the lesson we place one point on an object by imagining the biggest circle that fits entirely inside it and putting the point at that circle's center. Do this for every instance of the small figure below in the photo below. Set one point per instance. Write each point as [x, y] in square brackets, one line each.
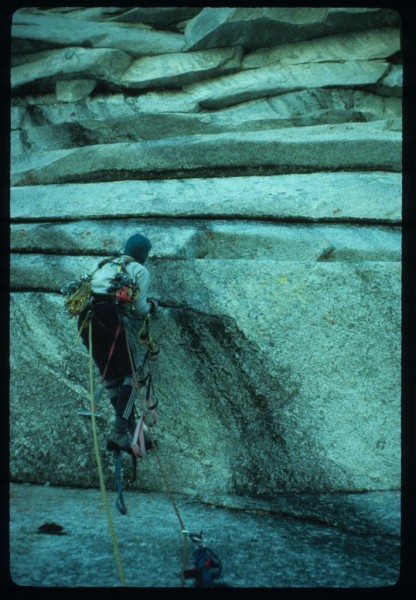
[207, 566]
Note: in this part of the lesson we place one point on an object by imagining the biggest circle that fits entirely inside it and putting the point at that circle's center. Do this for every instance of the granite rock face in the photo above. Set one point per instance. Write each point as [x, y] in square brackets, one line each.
[261, 151]
[39, 29]
[262, 27]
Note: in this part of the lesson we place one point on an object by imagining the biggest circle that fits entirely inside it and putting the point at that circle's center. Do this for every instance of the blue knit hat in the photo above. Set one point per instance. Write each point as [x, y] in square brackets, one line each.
[138, 247]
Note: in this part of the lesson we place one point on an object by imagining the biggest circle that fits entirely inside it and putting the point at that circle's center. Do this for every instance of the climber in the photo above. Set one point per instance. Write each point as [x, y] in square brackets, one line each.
[119, 289]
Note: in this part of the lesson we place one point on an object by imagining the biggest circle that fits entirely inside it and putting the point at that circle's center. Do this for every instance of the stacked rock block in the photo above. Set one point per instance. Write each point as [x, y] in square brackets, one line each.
[260, 150]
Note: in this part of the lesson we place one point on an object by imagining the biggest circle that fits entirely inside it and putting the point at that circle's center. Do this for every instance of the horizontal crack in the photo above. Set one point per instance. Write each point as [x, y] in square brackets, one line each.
[116, 175]
[212, 218]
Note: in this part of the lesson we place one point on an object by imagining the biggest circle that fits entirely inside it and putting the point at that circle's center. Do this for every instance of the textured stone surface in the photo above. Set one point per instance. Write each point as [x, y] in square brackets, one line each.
[272, 195]
[158, 17]
[71, 63]
[53, 30]
[197, 239]
[252, 361]
[354, 45]
[359, 146]
[309, 107]
[297, 107]
[93, 122]
[392, 83]
[273, 80]
[44, 108]
[359, 196]
[308, 540]
[74, 90]
[176, 70]
[241, 26]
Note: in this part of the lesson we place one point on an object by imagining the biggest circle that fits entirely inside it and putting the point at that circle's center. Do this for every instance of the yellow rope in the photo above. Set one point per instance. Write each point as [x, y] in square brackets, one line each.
[100, 468]
[83, 325]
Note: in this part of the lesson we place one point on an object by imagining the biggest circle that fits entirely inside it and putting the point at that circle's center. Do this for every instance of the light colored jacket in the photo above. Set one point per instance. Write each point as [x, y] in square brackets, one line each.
[100, 282]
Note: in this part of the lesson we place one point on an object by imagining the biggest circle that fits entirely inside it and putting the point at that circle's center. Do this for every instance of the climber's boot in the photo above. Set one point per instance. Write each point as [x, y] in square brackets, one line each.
[120, 439]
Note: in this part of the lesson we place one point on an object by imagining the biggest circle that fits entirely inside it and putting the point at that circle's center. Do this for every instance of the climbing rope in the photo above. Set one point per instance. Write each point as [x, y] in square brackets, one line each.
[100, 468]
